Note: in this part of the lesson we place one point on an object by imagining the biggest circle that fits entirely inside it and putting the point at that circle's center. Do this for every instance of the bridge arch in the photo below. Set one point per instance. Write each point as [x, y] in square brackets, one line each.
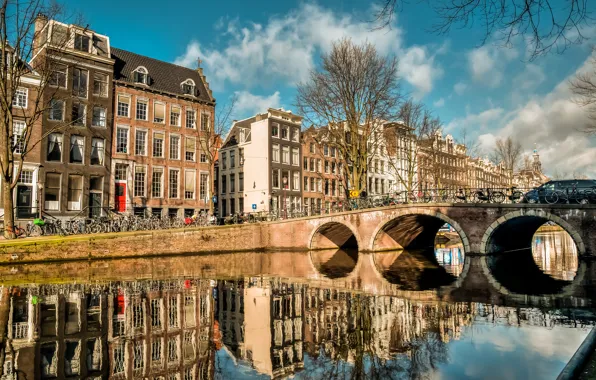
[522, 225]
[412, 228]
[333, 234]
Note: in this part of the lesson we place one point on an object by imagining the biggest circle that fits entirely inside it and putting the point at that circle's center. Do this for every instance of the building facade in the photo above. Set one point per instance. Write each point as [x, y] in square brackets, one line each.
[442, 163]
[77, 129]
[260, 165]
[162, 111]
[530, 175]
[482, 173]
[322, 174]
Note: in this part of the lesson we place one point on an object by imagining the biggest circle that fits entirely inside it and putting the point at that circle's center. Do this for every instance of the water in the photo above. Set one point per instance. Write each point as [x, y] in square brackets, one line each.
[332, 314]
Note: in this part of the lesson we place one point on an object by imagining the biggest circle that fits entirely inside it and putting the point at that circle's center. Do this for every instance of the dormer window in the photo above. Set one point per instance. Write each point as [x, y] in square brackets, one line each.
[81, 42]
[141, 75]
[188, 87]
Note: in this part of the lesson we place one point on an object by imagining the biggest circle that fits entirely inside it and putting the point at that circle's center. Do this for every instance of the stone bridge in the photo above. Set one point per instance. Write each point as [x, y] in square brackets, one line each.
[484, 229]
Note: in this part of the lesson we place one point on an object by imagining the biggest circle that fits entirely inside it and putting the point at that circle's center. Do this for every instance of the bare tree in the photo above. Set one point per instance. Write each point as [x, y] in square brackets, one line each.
[402, 138]
[211, 138]
[26, 79]
[544, 24]
[352, 95]
[508, 152]
[584, 87]
[431, 147]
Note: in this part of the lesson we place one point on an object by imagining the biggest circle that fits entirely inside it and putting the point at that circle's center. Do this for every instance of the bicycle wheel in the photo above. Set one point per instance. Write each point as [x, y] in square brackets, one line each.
[551, 198]
[497, 197]
[517, 197]
[582, 198]
[35, 231]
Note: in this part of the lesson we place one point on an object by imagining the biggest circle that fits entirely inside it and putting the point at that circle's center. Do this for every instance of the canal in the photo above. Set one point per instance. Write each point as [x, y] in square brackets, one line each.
[436, 313]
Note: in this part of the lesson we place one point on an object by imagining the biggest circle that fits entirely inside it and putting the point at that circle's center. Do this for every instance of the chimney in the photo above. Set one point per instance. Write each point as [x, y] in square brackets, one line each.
[41, 21]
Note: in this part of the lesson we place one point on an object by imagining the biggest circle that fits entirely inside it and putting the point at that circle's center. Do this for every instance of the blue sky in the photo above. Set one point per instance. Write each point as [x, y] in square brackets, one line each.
[260, 49]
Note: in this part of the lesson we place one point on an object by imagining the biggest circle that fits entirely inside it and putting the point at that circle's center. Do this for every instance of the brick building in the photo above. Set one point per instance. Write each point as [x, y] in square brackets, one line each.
[482, 173]
[75, 152]
[26, 194]
[259, 164]
[161, 112]
[323, 185]
[442, 163]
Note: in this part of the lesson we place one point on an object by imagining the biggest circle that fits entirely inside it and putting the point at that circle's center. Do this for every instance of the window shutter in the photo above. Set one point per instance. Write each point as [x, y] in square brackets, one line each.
[135, 76]
[149, 80]
[159, 135]
[190, 144]
[189, 181]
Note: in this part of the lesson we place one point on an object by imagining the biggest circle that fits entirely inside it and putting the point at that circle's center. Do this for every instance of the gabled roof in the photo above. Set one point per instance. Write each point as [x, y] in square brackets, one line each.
[164, 76]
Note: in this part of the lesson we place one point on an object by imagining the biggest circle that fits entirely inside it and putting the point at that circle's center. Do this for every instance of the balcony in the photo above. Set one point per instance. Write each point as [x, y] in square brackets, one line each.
[20, 330]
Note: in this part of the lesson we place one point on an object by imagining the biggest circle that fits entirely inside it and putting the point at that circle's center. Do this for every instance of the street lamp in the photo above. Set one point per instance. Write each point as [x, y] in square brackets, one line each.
[40, 184]
[285, 182]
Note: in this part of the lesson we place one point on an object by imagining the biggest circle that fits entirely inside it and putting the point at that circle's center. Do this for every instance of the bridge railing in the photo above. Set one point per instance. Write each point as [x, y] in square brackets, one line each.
[498, 195]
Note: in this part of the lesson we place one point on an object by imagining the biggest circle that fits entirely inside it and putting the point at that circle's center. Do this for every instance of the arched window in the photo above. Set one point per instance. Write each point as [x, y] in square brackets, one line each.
[188, 87]
[141, 75]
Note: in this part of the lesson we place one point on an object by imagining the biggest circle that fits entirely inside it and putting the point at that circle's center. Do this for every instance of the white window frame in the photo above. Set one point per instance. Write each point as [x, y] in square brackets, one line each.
[145, 73]
[208, 117]
[83, 150]
[195, 149]
[22, 129]
[142, 100]
[170, 146]
[194, 193]
[186, 118]
[129, 104]
[127, 128]
[51, 110]
[54, 64]
[105, 117]
[15, 99]
[161, 182]
[155, 103]
[81, 121]
[134, 181]
[293, 150]
[192, 85]
[87, 85]
[102, 154]
[107, 85]
[172, 107]
[137, 130]
[170, 170]
[163, 144]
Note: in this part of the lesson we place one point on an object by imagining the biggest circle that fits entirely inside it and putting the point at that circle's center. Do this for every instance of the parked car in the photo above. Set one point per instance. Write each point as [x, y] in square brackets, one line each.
[580, 191]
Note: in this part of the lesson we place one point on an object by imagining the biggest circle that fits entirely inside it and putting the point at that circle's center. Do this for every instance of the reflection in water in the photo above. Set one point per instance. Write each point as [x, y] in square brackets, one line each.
[555, 253]
[269, 327]
[335, 263]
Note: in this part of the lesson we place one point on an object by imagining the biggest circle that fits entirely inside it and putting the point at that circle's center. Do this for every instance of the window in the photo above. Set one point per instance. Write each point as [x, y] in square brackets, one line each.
[203, 185]
[141, 109]
[140, 75]
[203, 158]
[75, 191]
[56, 110]
[284, 133]
[326, 150]
[296, 182]
[123, 105]
[141, 143]
[119, 358]
[121, 140]
[232, 159]
[99, 117]
[205, 122]
[18, 136]
[224, 161]
[139, 185]
[158, 138]
[138, 358]
[52, 191]
[120, 174]
[295, 157]
[319, 165]
[305, 184]
[190, 119]
[295, 134]
[100, 84]
[20, 98]
[232, 183]
[26, 177]
[188, 87]
[189, 149]
[77, 149]
[97, 151]
[58, 76]
[173, 182]
[275, 149]
[312, 184]
[175, 116]
[285, 155]
[305, 163]
[172, 349]
[159, 113]
[275, 130]
[326, 166]
[275, 179]
[54, 147]
[79, 82]
[224, 187]
[157, 183]
[174, 147]
[332, 151]
[173, 312]
[78, 113]
[241, 182]
[189, 184]
[312, 164]
[81, 42]
[312, 148]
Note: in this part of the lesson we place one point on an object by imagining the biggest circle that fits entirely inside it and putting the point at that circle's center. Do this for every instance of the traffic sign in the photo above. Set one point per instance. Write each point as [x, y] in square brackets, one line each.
[215, 199]
[354, 193]
[254, 206]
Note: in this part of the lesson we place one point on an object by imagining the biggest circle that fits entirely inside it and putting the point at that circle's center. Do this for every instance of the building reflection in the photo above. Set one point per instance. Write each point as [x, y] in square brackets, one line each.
[555, 253]
[278, 328]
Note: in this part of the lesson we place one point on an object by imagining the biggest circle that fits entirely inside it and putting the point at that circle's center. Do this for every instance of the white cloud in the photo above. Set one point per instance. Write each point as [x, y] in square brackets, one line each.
[460, 87]
[285, 48]
[553, 123]
[479, 122]
[532, 76]
[439, 103]
[488, 62]
[248, 104]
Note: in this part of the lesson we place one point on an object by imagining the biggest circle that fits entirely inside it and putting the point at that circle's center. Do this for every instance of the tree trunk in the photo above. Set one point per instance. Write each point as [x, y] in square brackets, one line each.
[8, 210]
